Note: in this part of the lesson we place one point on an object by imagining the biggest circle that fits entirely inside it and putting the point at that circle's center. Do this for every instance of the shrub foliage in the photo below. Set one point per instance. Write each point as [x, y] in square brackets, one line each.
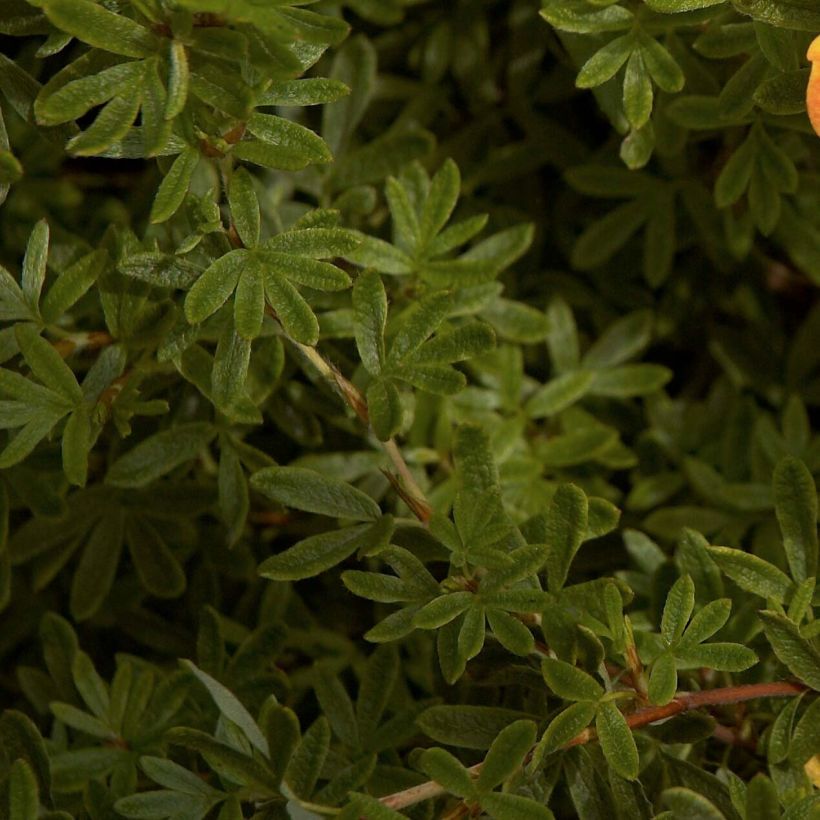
[407, 409]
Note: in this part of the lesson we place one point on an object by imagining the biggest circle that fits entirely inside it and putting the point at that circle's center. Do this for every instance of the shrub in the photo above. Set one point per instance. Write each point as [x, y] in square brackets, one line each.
[392, 426]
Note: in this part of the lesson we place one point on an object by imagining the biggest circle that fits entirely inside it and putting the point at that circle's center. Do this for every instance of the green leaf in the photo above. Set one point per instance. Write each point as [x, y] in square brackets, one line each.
[215, 285]
[311, 91]
[805, 742]
[752, 573]
[777, 749]
[174, 186]
[159, 454]
[175, 777]
[441, 766]
[606, 62]
[234, 501]
[46, 363]
[604, 238]
[81, 721]
[514, 636]
[688, 803]
[230, 369]
[110, 125]
[793, 650]
[230, 707]
[796, 508]
[621, 341]
[72, 284]
[443, 609]
[385, 408]
[317, 243]
[630, 380]
[90, 685]
[249, 303]
[178, 79]
[468, 727]
[791, 14]
[76, 444]
[315, 554]
[336, 704]
[638, 95]
[244, 207]
[559, 393]
[163, 803]
[506, 754]
[725, 657]
[100, 28]
[437, 379]
[95, 573]
[156, 566]
[314, 492]
[225, 759]
[663, 679]
[707, 621]
[23, 794]
[617, 742]
[680, 602]
[370, 307]
[441, 201]
[34, 264]
[570, 682]
[296, 145]
[566, 528]
[375, 689]
[292, 310]
[156, 130]
[505, 806]
[307, 761]
[420, 320]
[662, 67]
[567, 725]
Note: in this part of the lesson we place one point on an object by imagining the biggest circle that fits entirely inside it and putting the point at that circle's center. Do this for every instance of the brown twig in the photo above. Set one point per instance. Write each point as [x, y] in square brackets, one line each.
[684, 702]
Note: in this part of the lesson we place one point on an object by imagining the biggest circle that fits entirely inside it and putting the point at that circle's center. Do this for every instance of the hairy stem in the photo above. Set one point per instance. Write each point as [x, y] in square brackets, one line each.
[684, 702]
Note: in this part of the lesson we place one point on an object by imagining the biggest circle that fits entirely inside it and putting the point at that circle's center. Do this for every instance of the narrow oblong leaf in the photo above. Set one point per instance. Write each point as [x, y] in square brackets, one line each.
[156, 565]
[506, 753]
[314, 554]
[566, 528]
[47, 364]
[101, 28]
[752, 573]
[565, 726]
[796, 508]
[34, 263]
[159, 454]
[570, 682]
[229, 705]
[315, 492]
[442, 767]
[174, 186]
[793, 650]
[244, 207]
[215, 285]
[370, 308]
[616, 740]
[606, 62]
[467, 727]
[678, 608]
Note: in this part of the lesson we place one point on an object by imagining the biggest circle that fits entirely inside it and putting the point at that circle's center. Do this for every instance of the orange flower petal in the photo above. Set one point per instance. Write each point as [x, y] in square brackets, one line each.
[813, 90]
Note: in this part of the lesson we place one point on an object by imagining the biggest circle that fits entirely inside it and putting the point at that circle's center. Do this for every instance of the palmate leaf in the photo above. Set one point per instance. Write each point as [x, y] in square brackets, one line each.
[267, 275]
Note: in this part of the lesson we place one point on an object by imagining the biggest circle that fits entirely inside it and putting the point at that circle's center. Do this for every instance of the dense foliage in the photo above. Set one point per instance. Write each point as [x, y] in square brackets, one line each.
[407, 409]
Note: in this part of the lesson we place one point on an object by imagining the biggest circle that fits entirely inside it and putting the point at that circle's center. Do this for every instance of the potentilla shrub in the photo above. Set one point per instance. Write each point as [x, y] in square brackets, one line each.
[407, 409]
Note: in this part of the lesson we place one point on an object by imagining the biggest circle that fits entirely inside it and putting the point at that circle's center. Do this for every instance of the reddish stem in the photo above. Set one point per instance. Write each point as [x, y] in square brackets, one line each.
[643, 717]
